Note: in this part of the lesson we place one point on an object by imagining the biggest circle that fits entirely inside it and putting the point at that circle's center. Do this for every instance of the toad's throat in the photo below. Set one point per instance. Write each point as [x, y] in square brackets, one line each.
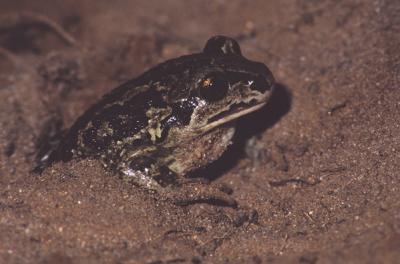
[234, 112]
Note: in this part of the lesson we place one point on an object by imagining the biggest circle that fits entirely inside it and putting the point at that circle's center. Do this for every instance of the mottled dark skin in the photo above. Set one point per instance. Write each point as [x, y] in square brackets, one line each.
[173, 119]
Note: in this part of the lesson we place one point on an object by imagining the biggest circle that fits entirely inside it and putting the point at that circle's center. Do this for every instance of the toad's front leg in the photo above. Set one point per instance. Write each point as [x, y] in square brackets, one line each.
[144, 172]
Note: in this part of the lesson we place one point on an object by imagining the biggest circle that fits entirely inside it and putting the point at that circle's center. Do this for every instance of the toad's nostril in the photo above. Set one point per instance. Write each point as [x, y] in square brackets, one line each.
[260, 84]
[263, 80]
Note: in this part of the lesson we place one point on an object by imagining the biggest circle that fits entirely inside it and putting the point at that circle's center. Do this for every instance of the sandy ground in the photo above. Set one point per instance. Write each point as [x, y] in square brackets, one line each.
[321, 175]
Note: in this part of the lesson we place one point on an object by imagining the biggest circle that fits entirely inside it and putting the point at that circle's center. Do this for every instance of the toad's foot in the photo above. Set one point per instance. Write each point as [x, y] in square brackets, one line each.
[168, 185]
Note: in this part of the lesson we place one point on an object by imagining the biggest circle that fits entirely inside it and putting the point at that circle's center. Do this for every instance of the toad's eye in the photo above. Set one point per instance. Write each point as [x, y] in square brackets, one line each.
[214, 88]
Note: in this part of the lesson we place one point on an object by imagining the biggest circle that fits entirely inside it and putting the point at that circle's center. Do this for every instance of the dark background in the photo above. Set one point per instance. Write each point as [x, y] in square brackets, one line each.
[322, 173]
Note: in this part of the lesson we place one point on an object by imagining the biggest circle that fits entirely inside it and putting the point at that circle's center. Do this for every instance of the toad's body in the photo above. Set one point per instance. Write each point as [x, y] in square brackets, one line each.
[172, 119]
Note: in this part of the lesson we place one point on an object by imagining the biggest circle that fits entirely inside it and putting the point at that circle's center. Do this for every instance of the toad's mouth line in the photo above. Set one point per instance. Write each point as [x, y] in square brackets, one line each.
[234, 112]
